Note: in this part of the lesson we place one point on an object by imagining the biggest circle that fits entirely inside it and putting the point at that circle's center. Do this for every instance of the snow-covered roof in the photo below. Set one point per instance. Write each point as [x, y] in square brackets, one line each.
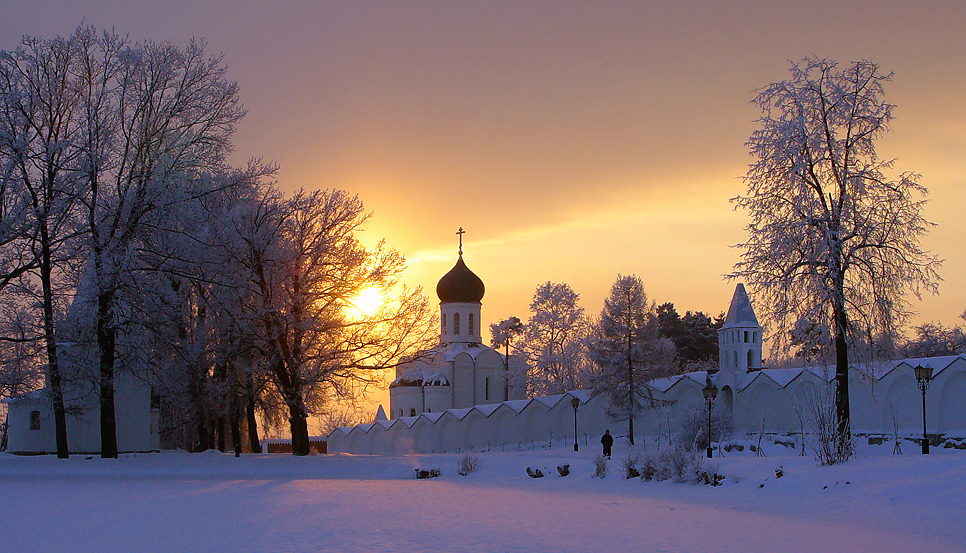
[549, 401]
[583, 395]
[783, 377]
[458, 414]
[431, 417]
[517, 405]
[488, 409]
[31, 397]
[664, 384]
[938, 364]
[420, 376]
[473, 349]
[385, 423]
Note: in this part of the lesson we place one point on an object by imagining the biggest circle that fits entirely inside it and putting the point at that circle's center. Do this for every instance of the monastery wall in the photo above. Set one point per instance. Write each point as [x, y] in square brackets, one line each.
[769, 399]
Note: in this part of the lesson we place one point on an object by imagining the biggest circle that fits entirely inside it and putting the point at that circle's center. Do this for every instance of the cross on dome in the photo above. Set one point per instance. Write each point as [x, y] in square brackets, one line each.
[460, 284]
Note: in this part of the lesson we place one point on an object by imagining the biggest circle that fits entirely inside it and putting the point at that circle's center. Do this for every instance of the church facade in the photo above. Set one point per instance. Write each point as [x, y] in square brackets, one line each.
[461, 371]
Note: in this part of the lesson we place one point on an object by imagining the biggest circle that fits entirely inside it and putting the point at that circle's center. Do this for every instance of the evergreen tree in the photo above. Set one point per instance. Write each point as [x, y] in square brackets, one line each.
[627, 350]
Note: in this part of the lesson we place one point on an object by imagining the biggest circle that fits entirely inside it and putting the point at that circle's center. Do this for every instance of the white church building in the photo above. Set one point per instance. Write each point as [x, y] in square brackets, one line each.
[461, 371]
[756, 399]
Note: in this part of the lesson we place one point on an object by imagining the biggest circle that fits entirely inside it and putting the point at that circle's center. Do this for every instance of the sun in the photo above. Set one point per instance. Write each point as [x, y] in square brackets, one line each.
[366, 303]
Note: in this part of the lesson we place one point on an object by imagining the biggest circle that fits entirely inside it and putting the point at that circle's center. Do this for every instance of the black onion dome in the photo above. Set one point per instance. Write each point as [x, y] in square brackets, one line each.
[460, 285]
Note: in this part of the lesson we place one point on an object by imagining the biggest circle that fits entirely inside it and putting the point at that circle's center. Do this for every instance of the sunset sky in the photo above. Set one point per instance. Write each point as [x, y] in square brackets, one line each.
[572, 140]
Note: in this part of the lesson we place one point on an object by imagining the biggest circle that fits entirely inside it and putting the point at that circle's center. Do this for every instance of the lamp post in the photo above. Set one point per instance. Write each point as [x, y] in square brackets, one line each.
[575, 403]
[923, 375]
[710, 391]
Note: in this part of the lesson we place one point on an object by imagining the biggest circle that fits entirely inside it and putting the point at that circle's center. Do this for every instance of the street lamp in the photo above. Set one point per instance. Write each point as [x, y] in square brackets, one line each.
[923, 375]
[574, 402]
[710, 391]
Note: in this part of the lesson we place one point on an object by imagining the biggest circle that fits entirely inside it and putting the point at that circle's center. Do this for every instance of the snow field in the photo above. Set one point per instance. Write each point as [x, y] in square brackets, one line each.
[206, 502]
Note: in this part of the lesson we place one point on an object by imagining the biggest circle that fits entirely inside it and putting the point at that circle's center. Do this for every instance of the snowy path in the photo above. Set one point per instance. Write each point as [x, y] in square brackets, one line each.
[217, 503]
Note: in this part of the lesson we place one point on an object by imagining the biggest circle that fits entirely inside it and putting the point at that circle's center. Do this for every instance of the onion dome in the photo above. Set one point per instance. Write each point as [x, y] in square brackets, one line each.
[460, 285]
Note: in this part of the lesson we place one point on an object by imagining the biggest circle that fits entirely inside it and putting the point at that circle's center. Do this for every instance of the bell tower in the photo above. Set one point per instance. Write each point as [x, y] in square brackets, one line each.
[739, 339]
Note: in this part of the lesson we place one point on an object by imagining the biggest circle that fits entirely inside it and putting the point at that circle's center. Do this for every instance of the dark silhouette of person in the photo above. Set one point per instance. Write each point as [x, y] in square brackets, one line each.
[607, 441]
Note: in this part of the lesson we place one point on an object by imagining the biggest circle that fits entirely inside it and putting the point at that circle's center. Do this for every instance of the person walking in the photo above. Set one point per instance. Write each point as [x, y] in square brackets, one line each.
[607, 441]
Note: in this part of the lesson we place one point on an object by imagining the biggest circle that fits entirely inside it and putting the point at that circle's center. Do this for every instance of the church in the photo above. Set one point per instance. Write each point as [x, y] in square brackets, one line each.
[461, 371]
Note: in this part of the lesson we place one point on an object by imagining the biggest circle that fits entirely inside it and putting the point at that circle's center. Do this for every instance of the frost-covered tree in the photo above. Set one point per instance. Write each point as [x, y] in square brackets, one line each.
[812, 340]
[554, 340]
[306, 266]
[831, 233]
[42, 125]
[934, 339]
[167, 115]
[628, 351]
[193, 307]
[503, 335]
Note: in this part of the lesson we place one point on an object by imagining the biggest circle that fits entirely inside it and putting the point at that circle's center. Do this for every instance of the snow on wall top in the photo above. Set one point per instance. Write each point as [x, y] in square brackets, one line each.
[488, 409]
[740, 313]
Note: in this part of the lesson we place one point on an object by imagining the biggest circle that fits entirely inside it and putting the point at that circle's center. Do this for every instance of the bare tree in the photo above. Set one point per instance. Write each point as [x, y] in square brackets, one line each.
[40, 128]
[628, 351]
[831, 235]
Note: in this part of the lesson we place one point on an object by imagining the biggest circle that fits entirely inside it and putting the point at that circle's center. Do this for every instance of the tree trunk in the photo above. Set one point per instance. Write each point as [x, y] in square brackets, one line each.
[53, 367]
[300, 427]
[256, 445]
[3, 433]
[220, 430]
[842, 407]
[630, 383]
[234, 423]
[204, 433]
[106, 348]
[630, 428]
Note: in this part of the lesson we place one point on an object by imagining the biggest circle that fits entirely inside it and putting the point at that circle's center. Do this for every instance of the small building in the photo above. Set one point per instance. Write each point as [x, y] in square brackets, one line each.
[30, 418]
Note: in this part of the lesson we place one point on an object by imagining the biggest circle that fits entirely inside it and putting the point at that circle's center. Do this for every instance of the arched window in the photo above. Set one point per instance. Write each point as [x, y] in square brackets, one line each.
[736, 359]
[746, 336]
[456, 323]
[412, 412]
[751, 357]
[35, 420]
[442, 320]
[486, 385]
[469, 325]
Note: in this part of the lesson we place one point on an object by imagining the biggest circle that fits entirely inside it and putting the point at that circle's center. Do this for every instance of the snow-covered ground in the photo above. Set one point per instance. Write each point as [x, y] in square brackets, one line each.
[212, 502]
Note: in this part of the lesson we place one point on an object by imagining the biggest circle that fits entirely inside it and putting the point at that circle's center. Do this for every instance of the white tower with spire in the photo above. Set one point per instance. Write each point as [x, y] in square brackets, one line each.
[739, 339]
